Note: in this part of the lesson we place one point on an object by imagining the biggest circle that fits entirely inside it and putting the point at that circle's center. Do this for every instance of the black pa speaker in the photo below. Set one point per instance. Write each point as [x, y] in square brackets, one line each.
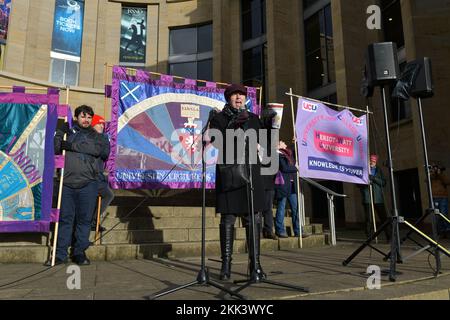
[382, 63]
[423, 86]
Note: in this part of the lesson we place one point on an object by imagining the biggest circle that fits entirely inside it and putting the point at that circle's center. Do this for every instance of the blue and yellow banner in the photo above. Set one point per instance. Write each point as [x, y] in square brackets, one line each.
[26, 161]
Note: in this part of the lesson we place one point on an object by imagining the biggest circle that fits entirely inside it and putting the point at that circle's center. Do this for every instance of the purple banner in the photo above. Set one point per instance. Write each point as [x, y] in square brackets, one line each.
[332, 145]
[27, 127]
[156, 131]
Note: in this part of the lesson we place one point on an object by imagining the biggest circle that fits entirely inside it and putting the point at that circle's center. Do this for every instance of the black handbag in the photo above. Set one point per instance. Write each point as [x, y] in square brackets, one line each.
[233, 176]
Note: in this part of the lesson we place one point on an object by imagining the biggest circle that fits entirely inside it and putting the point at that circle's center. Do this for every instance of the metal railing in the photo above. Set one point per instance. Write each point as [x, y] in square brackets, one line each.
[330, 196]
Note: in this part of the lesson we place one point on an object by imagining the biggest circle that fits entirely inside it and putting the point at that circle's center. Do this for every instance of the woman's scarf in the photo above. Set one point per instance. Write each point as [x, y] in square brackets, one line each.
[236, 117]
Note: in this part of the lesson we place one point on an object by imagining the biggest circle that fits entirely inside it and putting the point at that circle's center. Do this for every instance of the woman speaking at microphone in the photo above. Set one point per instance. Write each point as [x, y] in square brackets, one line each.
[232, 191]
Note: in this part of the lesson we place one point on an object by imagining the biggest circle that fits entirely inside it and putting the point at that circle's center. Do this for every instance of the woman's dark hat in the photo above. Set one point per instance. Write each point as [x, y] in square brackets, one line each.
[233, 89]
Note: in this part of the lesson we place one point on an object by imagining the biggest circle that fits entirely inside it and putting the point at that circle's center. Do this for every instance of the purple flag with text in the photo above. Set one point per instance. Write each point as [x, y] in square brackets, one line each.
[332, 145]
[156, 131]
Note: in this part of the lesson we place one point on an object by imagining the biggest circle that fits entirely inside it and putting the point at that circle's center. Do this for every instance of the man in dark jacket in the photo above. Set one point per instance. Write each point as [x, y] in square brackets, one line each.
[234, 202]
[377, 183]
[83, 146]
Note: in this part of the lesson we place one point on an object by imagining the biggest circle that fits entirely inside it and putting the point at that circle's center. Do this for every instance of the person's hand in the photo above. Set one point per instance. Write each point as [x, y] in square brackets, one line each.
[65, 128]
[242, 118]
[268, 119]
[66, 145]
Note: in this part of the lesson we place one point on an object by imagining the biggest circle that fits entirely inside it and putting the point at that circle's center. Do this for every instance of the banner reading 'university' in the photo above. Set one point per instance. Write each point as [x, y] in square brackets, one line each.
[156, 131]
[332, 145]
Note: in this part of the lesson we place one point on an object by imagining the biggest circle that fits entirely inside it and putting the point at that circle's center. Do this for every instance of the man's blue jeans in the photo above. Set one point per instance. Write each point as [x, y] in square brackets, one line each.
[77, 206]
[442, 205]
[279, 218]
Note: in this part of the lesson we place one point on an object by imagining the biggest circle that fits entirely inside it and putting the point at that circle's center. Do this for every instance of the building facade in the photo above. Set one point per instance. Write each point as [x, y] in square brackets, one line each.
[315, 47]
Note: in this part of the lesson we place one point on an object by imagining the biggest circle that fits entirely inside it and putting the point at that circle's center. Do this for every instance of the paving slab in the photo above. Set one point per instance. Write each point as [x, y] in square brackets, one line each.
[318, 269]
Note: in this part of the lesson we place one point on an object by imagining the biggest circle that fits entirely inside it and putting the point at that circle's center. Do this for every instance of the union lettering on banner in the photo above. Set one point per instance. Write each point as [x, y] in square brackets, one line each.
[332, 145]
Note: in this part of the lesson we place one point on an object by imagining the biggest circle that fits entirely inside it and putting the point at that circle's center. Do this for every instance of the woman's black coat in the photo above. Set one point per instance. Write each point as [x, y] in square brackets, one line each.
[236, 201]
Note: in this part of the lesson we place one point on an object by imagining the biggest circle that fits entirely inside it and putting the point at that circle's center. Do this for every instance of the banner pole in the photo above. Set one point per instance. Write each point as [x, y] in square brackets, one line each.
[372, 207]
[97, 226]
[67, 95]
[300, 207]
[105, 80]
[58, 207]
[55, 239]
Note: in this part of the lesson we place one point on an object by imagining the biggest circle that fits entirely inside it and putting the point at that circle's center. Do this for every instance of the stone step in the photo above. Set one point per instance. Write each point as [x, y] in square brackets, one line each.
[110, 252]
[182, 234]
[164, 235]
[20, 239]
[154, 223]
[155, 211]
[158, 223]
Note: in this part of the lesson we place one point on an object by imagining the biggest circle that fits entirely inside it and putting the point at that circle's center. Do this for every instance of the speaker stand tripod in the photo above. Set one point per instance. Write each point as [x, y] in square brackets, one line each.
[431, 210]
[394, 220]
[203, 275]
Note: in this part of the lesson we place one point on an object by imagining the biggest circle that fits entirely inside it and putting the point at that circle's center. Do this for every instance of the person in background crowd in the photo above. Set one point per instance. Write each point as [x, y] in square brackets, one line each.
[439, 183]
[377, 181]
[104, 191]
[287, 192]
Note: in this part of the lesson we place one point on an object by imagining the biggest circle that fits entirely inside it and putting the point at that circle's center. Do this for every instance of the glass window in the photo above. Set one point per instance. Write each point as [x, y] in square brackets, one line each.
[253, 66]
[319, 49]
[253, 19]
[64, 72]
[191, 52]
[205, 38]
[254, 55]
[71, 73]
[308, 3]
[186, 70]
[204, 69]
[392, 22]
[57, 73]
[183, 41]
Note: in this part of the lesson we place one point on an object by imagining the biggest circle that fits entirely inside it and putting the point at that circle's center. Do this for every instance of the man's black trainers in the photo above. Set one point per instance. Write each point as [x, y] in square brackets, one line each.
[48, 263]
[81, 260]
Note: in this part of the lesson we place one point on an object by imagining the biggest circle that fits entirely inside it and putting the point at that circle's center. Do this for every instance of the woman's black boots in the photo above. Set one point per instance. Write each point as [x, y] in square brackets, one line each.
[226, 249]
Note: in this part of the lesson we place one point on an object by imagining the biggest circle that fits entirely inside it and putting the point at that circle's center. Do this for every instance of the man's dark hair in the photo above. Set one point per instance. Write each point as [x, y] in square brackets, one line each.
[84, 109]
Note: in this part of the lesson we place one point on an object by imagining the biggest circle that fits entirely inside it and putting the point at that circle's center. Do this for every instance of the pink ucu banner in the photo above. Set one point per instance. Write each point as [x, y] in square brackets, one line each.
[332, 145]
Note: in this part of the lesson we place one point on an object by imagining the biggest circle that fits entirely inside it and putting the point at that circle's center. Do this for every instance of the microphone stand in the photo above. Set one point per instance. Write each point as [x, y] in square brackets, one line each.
[203, 275]
[256, 276]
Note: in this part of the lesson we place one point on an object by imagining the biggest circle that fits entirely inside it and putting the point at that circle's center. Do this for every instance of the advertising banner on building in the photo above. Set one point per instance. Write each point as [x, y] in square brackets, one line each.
[332, 145]
[5, 9]
[67, 30]
[133, 35]
[156, 131]
[27, 127]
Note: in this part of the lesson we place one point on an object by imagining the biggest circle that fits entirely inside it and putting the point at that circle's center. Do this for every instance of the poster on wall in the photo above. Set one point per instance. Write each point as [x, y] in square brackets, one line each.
[67, 30]
[133, 36]
[5, 9]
